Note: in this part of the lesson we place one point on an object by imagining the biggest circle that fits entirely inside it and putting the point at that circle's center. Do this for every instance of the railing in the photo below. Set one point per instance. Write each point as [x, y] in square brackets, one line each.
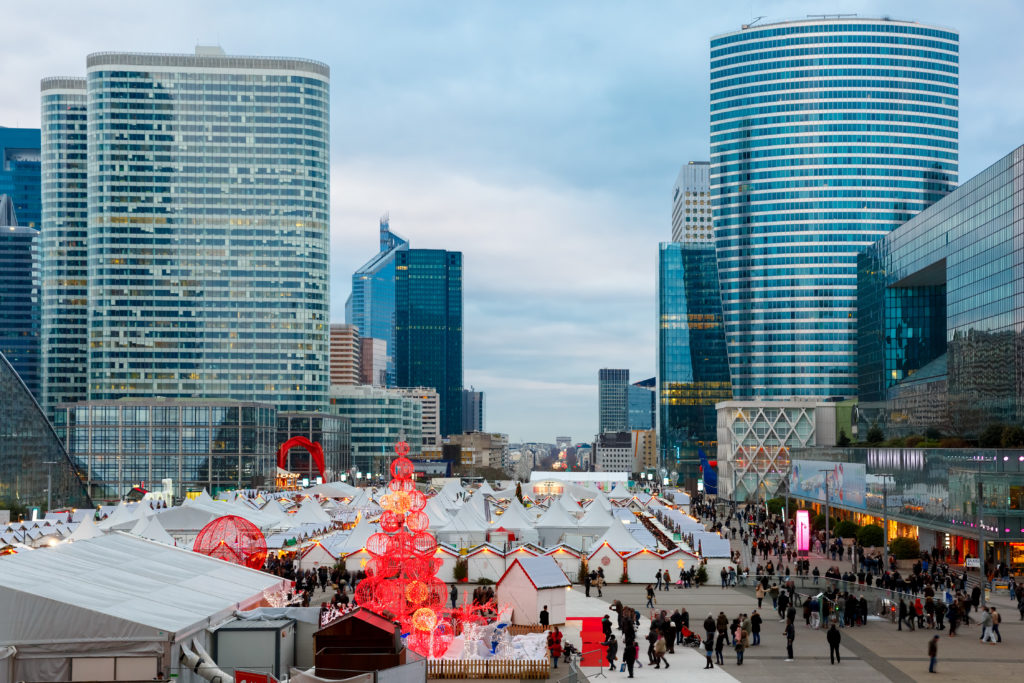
[521, 629]
[489, 668]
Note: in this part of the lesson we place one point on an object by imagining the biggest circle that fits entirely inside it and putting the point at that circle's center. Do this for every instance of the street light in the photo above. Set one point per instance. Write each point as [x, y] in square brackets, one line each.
[826, 471]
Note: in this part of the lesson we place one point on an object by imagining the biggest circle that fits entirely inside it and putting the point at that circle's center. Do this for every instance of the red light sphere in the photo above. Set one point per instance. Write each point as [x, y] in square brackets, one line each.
[233, 539]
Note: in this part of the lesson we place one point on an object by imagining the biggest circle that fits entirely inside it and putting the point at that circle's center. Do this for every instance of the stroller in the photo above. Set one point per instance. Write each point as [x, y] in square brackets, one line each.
[690, 639]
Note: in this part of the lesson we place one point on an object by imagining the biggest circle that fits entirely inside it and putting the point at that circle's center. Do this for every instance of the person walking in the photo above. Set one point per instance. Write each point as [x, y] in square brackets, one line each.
[996, 618]
[599, 583]
[759, 594]
[834, 637]
[629, 653]
[650, 595]
[722, 625]
[668, 579]
[742, 642]
[790, 634]
[986, 627]
[660, 648]
[544, 618]
[755, 627]
[454, 596]
[657, 576]
[933, 653]
[586, 584]
[611, 650]
[719, 647]
[555, 646]
[709, 631]
[708, 649]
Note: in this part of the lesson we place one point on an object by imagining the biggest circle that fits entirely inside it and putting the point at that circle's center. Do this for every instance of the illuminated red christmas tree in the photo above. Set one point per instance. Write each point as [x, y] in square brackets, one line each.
[401, 576]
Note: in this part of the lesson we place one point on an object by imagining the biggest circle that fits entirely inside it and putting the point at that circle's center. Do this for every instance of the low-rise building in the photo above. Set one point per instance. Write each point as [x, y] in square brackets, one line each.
[613, 452]
[431, 401]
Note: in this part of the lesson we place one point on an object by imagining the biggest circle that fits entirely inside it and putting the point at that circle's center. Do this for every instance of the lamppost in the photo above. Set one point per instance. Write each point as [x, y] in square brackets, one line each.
[885, 522]
[981, 543]
[826, 471]
[49, 484]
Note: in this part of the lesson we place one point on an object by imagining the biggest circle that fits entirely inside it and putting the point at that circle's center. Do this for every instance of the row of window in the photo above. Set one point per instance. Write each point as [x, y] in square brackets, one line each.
[749, 42]
[752, 116]
[919, 69]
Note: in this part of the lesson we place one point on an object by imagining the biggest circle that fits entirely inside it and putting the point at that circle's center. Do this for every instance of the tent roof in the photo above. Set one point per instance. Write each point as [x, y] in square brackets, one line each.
[596, 517]
[333, 489]
[557, 518]
[309, 512]
[619, 493]
[151, 528]
[86, 529]
[542, 571]
[130, 581]
[515, 517]
[618, 538]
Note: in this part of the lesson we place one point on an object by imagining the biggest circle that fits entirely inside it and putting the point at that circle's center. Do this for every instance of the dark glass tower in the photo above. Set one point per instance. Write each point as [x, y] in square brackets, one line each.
[693, 368]
[428, 327]
[19, 295]
[19, 173]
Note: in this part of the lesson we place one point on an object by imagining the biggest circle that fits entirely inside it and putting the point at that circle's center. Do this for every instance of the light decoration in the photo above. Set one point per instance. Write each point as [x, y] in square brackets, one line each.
[401, 574]
[803, 532]
[233, 539]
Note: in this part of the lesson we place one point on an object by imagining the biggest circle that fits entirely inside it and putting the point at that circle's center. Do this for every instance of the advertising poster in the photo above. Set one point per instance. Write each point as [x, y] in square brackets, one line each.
[803, 532]
[846, 482]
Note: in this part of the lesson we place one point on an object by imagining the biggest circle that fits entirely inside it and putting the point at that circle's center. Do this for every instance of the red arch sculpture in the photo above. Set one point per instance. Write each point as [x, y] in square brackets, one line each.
[316, 451]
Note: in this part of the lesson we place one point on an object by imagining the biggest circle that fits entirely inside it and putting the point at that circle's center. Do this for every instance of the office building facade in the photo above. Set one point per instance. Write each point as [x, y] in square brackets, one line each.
[473, 410]
[208, 226]
[940, 312]
[199, 444]
[693, 366]
[825, 135]
[19, 295]
[345, 355]
[691, 205]
[378, 419]
[428, 327]
[431, 412]
[613, 451]
[371, 305]
[19, 173]
[334, 435]
[612, 400]
[641, 396]
[65, 219]
[373, 362]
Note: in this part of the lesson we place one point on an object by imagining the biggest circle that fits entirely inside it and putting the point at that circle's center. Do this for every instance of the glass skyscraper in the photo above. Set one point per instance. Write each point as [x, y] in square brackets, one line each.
[19, 173]
[612, 400]
[693, 371]
[207, 194]
[19, 295]
[371, 305]
[64, 151]
[428, 327]
[825, 135]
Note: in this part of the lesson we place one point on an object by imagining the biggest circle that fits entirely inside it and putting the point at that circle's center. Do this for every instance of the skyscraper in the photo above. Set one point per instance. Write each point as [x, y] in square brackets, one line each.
[691, 204]
[208, 227]
[345, 355]
[473, 403]
[825, 135]
[641, 404]
[612, 400]
[19, 173]
[693, 370]
[65, 219]
[19, 295]
[371, 305]
[428, 327]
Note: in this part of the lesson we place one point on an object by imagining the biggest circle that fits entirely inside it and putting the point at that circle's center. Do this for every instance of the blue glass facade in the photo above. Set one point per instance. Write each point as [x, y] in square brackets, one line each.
[693, 368]
[19, 301]
[371, 306]
[612, 400]
[428, 328]
[19, 173]
[949, 281]
[641, 406]
[207, 194]
[825, 135]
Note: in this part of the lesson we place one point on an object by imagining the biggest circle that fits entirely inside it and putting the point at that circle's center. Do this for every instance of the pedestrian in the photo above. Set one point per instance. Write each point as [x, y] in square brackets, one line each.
[611, 650]
[629, 652]
[659, 652]
[650, 595]
[599, 583]
[708, 648]
[586, 584]
[544, 618]
[709, 630]
[657, 576]
[996, 618]
[933, 653]
[986, 627]
[759, 594]
[719, 647]
[755, 627]
[790, 634]
[834, 637]
[668, 579]
[742, 642]
[454, 596]
[555, 646]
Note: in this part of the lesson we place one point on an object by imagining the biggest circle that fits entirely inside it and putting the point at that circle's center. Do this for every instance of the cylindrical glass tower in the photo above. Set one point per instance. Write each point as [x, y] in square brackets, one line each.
[825, 135]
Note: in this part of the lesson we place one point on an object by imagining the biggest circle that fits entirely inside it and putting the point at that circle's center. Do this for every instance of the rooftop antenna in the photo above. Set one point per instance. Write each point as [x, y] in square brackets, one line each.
[744, 27]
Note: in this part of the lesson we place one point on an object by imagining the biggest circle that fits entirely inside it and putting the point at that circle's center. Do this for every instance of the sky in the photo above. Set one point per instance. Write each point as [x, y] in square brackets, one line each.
[540, 138]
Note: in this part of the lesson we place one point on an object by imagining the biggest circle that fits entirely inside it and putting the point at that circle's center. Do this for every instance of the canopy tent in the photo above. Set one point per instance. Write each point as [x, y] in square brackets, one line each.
[151, 528]
[309, 512]
[619, 493]
[439, 517]
[596, 519]
[485, 489]
[465, 530]
[122, 514]
[115, 596]
[333, 489]
[360, 534]
[618, 539]
[602, 500]
[517, 520]
[479, 505]
[86, 529]
[554, 523]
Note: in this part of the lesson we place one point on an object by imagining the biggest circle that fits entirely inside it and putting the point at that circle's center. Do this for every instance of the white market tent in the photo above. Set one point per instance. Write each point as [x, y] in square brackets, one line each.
[116, 596]
[86, 529]
[618, 539]
[619, 493]
[554, 524]
[529, 584]
[465, 530]
[309, 512]
[151, 528]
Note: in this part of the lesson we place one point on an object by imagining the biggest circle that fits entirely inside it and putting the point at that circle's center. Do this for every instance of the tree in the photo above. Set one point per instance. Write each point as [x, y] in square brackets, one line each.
[460, 572]
[1012, 437]
[905, 548]
[818, 522]
[875, 434]
[992, 436]
[581, 573]
[932, 434]
[871, 536]
[845, 529]
[843, 439]
[701, 577]
[519, 492]
[912, 440]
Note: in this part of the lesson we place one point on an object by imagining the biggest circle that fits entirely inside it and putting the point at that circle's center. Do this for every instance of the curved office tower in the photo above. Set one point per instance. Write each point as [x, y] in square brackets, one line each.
[825, 135]
[209, 220]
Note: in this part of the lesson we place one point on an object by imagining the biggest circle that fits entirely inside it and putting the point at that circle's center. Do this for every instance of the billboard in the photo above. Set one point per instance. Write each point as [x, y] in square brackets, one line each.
[803, 532]
[846, 482]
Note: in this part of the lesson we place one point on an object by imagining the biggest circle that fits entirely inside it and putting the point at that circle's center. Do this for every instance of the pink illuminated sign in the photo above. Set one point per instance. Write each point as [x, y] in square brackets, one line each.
[803, 532]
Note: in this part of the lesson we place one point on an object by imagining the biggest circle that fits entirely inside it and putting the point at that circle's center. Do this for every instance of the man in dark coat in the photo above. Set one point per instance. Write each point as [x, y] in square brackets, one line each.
[834, 637]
